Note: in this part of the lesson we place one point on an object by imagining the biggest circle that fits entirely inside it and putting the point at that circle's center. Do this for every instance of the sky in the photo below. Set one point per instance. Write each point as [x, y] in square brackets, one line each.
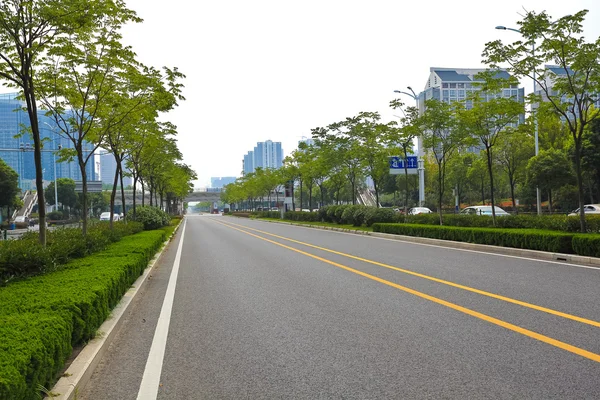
[275, 69]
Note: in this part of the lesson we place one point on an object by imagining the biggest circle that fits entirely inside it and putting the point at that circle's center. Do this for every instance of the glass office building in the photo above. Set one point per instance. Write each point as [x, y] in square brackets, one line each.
[265, 155]
[17, 152]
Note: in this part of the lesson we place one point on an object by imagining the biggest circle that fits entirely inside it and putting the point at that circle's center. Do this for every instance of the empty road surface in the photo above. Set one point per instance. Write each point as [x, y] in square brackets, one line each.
[245, 309]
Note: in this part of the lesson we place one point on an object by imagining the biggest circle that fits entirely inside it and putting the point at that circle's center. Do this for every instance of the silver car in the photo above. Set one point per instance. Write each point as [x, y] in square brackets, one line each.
[484, 210]
[587, 209]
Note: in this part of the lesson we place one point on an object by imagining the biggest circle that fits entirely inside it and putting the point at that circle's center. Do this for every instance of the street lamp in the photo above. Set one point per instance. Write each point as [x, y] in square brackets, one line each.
[535, 122]
[421, 163]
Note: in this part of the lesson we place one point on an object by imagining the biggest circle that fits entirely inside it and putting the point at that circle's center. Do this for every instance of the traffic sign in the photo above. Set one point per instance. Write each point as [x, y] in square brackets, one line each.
[397, 165]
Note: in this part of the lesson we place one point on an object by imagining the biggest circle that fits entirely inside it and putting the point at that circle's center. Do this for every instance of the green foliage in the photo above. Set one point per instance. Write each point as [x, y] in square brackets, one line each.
[302, 216]
[27, 257]
[587, 245]
[55, 216]
[9, 184]
[377, 215]
[150, 217]
[43, 318]
[551, 241]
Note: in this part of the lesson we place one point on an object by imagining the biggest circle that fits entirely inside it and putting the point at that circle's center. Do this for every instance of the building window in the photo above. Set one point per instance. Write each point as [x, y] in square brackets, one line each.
[460, 85]
[453, 86]
[444, 85]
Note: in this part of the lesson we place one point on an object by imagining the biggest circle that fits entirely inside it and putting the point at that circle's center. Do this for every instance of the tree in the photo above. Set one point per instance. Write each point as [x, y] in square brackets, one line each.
[9, 187]
[571, 87]
[513, 153]
[65, 190]
[490, 118]
[442, 138]
[29, 30]
[590, 157]
[549, 170]
[84, 71]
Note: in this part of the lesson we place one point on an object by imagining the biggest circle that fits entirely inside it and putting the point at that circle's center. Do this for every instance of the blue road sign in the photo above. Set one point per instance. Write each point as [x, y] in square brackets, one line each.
[397, 164]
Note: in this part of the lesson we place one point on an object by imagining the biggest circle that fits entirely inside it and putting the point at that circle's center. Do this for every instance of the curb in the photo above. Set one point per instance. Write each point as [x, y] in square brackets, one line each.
[81, 369]
[507, 251]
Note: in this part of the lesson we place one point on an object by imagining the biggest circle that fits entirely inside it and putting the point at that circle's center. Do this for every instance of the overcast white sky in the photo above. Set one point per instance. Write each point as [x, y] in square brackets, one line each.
[275, 69]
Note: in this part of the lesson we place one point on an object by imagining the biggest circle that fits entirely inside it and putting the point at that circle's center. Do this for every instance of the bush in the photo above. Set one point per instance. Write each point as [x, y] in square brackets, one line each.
[26, 257]
[587, 245]
[381, 215]
[551, 241]
[43, 318]
[55, 216]
[301, 216]
[151, 217]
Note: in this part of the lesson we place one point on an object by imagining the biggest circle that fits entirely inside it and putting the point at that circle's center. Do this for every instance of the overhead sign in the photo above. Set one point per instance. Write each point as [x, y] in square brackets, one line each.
[398, 165]
[92, 186]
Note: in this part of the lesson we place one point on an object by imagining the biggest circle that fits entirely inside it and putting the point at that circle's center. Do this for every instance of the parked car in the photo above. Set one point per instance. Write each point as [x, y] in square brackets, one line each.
[419, 210]
[105, 216]
[483, 210]
[587, 209]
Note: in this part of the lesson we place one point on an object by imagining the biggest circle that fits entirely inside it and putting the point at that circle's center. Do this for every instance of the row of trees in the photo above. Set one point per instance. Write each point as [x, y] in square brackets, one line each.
[471, 142]
[68, 61]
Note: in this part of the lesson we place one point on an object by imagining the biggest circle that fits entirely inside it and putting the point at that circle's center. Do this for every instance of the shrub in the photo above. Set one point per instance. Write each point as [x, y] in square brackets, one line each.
[26, 257]
[55, 215]
[151, 217]
[587, 245]
[375, 215]
[301, 216]
[43, 318]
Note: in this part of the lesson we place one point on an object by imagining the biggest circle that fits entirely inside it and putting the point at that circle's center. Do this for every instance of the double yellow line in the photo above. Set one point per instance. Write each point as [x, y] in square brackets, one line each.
[515, 328]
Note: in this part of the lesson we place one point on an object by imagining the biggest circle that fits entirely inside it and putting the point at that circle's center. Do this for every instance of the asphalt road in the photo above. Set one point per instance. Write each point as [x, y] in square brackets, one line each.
[256, 315]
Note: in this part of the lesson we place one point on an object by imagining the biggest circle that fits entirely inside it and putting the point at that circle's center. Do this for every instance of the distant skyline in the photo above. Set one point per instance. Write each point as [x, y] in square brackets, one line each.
[271, 69]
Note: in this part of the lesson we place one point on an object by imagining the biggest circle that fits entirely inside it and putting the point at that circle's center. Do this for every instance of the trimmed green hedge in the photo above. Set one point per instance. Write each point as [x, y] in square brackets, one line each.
[27, 257]
[551, 241]
[587, 245]
[43, 317]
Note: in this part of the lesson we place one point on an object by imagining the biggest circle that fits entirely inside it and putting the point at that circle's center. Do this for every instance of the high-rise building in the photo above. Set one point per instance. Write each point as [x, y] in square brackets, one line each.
[455, 84]
[249, 163]
[17, 152]
[220, 182]
[267, 154]
[108, 168]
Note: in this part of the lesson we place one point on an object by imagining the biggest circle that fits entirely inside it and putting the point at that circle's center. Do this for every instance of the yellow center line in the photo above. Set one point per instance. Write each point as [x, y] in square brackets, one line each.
[431, 278]
[495, 321]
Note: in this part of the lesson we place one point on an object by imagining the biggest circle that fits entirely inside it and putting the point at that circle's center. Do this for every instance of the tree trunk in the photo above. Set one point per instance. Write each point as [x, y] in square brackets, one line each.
[143, 192]
[123, 204]
[491, 173]
[84, 200]
[512, 194]
[580, 183]
[134, 194]
[113, 194]
[37, 155]
[300, 194]
[550, 200]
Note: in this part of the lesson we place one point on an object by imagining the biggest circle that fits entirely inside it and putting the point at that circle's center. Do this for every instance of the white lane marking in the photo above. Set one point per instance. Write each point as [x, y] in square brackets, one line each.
[446, 247]
[151, 379]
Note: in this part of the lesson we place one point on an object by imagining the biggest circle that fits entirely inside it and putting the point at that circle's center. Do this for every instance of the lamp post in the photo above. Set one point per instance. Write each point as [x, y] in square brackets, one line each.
[421, 163]
[535, 122]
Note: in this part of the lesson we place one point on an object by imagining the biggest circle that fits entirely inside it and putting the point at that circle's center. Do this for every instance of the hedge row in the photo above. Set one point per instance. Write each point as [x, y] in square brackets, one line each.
[26, 257]
[359, 215]
[44, 317]
[532, 239]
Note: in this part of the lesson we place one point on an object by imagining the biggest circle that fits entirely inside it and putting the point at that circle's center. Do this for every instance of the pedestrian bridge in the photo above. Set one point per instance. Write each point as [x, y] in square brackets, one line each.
[204, 194]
